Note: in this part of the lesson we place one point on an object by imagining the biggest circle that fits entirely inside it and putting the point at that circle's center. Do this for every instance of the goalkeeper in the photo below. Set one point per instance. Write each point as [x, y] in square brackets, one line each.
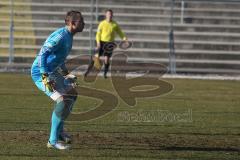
[105, 40]
[51, 76]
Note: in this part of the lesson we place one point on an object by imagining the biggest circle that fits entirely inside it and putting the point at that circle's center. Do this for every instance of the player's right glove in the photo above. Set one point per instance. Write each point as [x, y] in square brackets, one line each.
[49, 85]
[71, 79]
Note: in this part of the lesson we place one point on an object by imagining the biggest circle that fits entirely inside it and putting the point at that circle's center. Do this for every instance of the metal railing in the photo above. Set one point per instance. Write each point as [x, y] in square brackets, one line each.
[91, 28]
[11, 37]
[172, 56]
[94, 6]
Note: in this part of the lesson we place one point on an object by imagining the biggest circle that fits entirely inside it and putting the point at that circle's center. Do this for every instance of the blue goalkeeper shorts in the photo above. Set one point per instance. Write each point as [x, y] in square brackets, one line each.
[61, 87]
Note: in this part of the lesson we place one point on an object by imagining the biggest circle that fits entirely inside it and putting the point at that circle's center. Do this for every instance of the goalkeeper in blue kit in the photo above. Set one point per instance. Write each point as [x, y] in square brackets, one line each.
[51, 76]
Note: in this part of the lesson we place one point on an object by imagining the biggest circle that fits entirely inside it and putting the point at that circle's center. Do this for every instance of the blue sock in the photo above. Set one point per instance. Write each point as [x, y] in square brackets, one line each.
[60, 130]
[56, 122]
[61, 127]
[60, 113]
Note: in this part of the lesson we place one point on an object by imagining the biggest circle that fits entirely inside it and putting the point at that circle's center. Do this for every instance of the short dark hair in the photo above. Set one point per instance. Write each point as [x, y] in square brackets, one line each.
[109, 10]
[72, 16]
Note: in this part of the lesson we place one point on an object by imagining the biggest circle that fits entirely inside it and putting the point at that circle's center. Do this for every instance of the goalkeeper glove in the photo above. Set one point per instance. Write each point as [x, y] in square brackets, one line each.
[97, 62]
[47, 83]
[71, 79]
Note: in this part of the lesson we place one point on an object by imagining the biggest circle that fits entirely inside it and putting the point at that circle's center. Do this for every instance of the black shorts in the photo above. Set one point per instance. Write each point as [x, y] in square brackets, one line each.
[107, 48]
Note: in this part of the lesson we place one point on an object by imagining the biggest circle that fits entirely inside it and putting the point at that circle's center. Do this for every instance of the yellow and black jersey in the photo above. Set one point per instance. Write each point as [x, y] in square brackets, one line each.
[107, 30]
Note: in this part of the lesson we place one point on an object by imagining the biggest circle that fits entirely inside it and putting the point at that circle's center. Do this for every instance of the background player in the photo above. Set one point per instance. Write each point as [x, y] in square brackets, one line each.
[49, 75]
[105, 38]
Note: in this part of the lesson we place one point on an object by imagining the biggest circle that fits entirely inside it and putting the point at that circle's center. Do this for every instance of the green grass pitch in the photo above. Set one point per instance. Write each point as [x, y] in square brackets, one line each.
[211, 129]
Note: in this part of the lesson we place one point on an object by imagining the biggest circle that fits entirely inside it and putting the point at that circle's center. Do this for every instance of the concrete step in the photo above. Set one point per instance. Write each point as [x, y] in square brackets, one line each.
[207, 56]
[110, 2]
[25, 67]
[61, 14]
[164, 3]
[133, 25]
[139, 43]
[149, 50]
[148, 3]
[179, 35]
[211, 4]
[30, 50]
[85, 4]
[221, 65]
[129, 9]
[201, 71]
[179, 62]
[195, 19]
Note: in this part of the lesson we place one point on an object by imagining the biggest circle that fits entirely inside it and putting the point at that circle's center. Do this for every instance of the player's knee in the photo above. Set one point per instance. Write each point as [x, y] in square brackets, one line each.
[59, 99]
[63, 108]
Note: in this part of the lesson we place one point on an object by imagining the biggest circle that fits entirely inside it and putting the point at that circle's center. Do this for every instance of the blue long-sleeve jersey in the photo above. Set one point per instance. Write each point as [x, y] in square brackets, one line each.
[53, 53]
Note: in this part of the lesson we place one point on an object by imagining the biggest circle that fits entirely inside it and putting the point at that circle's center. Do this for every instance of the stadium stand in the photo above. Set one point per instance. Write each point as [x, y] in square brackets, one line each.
[206, 36]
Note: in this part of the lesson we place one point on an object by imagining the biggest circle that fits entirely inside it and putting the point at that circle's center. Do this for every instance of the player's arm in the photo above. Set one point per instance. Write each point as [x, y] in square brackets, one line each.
[68, 76]
[120, 32]
[98, 35]
[48, 48]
